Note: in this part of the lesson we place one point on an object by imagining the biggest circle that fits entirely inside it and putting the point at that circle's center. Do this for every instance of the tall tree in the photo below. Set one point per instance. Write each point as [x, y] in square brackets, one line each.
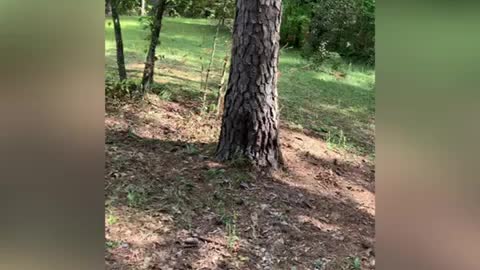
[250, 125]
[114, 6]
[143, 8]
[156, 27]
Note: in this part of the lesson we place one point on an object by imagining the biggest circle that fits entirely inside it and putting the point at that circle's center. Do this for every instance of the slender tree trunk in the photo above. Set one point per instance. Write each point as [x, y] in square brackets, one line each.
[221, 88]
[144, 7]
[250, 125]
[122, 72]
[215, 38]
[108, 8]
[148, 72]
[209, 67]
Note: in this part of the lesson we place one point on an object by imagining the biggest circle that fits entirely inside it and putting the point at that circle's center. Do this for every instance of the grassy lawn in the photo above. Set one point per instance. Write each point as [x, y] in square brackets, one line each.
[342, 109]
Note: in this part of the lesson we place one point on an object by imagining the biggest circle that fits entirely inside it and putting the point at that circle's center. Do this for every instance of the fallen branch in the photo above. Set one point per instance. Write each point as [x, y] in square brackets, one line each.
[208, 240]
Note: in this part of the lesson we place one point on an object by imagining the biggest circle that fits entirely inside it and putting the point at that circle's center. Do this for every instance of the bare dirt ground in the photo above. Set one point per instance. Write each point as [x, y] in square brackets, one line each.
[170, 205]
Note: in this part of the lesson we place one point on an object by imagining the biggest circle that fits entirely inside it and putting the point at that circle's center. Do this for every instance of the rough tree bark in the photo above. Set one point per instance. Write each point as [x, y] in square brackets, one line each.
[250, 124]
[148, 72]
[122, 72]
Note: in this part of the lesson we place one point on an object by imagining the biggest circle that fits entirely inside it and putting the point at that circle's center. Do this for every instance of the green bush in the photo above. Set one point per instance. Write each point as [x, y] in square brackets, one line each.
[323, 57]
[120, 89]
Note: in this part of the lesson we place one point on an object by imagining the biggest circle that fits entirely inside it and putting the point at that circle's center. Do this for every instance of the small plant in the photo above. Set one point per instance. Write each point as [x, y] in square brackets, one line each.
[322, 57]
[336, 139]
[356, 263]
[136, 196]
[240, 161]
[120, 89]
[318, 264]
[321, 54]
[190, 149]
[231, 227]
[212, 108]
[111, 219]
[214, 173]
[111, 244]
[165, 95]
[185, 184]
[239, 178]
[161, 91]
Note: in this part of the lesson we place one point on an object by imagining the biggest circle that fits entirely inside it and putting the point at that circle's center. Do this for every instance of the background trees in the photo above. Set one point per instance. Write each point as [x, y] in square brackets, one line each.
[203, 8]
[114, 6]
[343, 30]
[346, 27]
[320, 27]
[156, 27]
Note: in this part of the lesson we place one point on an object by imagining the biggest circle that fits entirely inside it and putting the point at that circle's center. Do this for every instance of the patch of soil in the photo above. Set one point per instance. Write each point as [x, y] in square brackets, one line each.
[170, 205]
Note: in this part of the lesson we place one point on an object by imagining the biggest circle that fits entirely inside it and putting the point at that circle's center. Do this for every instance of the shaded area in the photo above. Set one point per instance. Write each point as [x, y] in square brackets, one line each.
[287, 217]
[170, 206]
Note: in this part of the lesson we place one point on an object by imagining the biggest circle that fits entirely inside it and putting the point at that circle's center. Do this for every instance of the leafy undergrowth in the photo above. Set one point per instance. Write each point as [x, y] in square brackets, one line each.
[169, 205]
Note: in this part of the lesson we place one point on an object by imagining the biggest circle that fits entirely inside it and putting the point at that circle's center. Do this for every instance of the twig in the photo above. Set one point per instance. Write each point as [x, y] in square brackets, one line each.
[208, 240]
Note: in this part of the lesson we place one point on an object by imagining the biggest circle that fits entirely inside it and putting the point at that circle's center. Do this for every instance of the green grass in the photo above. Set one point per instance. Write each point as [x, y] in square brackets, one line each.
[341, 109]
[320, 102]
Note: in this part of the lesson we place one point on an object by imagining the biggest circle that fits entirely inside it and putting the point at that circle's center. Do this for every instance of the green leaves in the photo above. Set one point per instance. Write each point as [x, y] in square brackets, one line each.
[357, 263]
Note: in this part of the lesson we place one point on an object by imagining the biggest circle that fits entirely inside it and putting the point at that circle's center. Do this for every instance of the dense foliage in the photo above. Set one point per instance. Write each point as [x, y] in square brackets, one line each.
[296, 20]
[125, 7]
[325, 27]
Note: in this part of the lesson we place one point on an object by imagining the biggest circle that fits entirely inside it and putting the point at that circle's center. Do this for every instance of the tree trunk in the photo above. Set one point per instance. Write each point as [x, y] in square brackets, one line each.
[148, 72]
[122, 72]
[221, 88]
[209, 67]
[250, 125]
[143, 8]
[108, 8]
[212, 55]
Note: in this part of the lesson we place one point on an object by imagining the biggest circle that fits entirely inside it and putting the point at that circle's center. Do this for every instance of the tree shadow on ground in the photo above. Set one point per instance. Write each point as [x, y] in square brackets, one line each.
[360, 173]
[251, 220]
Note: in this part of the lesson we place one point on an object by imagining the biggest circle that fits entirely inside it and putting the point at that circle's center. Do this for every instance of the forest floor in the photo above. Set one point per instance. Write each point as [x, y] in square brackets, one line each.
[170, 205]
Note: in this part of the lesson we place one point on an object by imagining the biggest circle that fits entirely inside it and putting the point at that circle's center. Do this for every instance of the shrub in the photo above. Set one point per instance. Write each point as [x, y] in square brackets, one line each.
[323, 57]
[120, 89]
